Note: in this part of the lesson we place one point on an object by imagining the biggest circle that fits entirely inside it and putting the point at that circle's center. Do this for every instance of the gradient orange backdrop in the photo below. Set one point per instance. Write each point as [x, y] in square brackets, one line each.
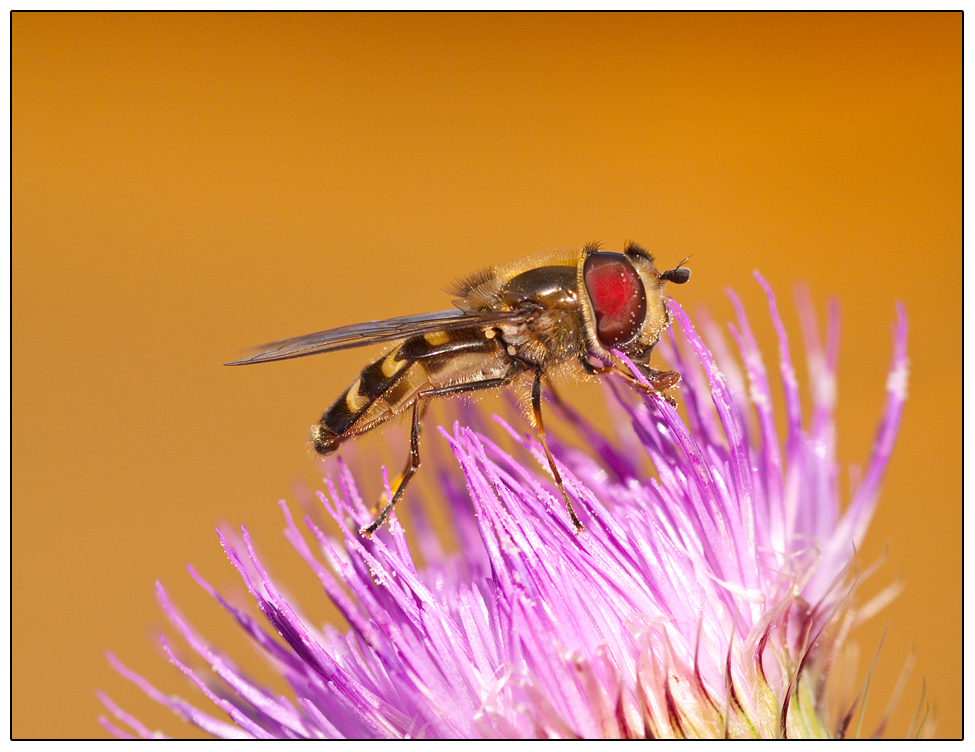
[188, 185]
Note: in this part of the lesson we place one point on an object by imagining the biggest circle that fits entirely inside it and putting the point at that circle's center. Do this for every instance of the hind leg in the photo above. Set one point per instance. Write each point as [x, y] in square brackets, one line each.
[413, 464]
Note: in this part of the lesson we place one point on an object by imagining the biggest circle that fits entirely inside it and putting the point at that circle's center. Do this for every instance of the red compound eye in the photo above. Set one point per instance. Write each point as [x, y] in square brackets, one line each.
[618, 298]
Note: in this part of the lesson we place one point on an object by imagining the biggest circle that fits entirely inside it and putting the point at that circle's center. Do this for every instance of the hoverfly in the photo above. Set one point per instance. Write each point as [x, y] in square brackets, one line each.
[512, 325]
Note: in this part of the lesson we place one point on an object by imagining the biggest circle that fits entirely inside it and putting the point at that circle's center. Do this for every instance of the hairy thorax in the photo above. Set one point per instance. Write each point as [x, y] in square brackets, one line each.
[552, 332]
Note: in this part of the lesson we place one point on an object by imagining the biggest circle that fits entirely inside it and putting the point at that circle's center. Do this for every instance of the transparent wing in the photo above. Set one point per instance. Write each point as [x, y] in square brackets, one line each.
[373, 332]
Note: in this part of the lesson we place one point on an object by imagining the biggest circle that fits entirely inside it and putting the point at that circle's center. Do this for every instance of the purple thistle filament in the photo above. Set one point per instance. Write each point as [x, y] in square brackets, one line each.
[708, 601]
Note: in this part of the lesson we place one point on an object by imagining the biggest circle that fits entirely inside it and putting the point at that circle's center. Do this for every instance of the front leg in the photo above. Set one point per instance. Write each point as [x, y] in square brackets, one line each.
[659, 381]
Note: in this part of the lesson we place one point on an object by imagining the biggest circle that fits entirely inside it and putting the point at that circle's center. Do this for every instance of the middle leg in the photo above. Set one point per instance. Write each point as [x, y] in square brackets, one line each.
[537, 411]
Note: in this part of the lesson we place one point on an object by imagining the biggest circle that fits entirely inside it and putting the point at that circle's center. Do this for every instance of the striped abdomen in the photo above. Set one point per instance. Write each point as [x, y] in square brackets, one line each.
[419, 364]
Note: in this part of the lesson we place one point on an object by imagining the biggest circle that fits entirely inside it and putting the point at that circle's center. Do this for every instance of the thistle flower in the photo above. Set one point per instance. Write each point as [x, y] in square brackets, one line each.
[708, 601]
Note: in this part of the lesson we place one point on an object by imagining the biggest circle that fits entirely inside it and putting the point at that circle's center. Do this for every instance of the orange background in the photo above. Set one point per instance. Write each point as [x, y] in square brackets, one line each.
[188, 185]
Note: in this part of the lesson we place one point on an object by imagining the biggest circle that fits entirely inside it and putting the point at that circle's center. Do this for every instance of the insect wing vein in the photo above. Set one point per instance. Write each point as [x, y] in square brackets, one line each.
[374, 332]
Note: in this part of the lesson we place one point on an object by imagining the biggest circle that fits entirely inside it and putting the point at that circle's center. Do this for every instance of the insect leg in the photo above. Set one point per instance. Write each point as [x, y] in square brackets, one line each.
[537, 411]
[414, 462]
[660, 381]
[411, 467]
